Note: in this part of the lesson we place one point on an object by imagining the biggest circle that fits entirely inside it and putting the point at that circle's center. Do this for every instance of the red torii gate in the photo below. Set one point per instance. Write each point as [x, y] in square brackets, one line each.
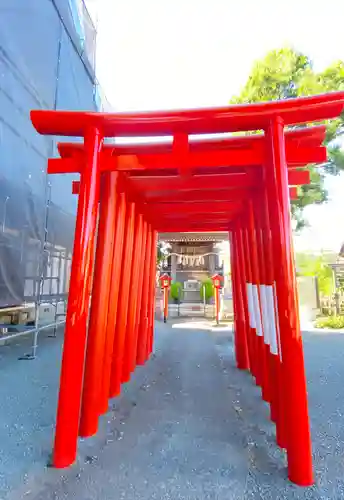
[240, 185]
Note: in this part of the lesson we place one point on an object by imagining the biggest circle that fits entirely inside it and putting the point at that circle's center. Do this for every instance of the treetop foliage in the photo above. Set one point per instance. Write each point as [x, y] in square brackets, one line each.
[286, 73]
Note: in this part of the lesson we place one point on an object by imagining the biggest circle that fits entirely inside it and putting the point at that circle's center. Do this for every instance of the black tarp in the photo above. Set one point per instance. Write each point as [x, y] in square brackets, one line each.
[41, 66]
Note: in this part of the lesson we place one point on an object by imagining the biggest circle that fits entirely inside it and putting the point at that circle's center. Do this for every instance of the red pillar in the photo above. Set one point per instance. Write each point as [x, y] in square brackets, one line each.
[256, 301]
[69, 402]
[99, 306]
[241, 348]
[123, 304]
[235, 300]
[143, 326]
[242, 275]
[165, 298]
[140, 294]
[271, 315]
[217, 304]
[152, 289]
[294, 380]
[262, 263]
[113, 301]
[250, 302]
[133, 299]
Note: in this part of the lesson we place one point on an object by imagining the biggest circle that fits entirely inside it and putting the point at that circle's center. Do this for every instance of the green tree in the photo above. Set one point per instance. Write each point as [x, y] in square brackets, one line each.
[316, 265]
[160, 253]
[286, 73]
[176, 290]
[163, 251]
[207, 290]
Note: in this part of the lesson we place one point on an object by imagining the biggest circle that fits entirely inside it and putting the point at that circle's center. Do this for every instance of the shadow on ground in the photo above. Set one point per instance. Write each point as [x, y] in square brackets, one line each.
[189, 425]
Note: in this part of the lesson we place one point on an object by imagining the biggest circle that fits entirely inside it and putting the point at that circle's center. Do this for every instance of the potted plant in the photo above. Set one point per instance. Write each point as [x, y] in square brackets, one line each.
[176, 291]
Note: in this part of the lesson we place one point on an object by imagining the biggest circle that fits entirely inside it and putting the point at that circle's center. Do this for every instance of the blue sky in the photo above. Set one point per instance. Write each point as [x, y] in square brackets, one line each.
[160, 54]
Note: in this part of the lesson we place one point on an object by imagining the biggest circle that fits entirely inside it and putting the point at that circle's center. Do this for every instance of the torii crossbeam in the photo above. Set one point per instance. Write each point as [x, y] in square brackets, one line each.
[241, 184]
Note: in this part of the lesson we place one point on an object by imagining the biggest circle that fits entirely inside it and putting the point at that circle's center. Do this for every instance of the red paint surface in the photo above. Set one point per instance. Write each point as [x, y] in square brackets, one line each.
[69, 401]
[99, 307]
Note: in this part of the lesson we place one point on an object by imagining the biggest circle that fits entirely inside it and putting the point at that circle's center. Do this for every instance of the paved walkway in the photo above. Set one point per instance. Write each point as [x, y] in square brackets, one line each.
[188, 426]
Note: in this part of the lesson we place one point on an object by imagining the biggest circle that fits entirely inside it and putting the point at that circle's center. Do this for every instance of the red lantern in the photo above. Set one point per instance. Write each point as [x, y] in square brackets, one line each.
[217, 281]
[165, 283]
[217, 284]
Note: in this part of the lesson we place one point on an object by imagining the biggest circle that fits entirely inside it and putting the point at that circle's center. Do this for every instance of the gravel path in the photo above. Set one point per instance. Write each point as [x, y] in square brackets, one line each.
[188, 426]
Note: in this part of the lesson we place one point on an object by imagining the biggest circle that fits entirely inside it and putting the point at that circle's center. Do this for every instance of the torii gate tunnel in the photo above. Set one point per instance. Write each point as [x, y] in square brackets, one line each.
[127, 193]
